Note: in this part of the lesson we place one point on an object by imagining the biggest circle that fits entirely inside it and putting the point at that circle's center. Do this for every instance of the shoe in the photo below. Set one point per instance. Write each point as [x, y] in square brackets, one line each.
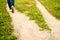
[12, 9]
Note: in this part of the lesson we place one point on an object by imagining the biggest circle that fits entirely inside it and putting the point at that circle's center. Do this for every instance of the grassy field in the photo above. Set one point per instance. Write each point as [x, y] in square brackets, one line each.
[53, 6]
[6, 28]
[29, 8]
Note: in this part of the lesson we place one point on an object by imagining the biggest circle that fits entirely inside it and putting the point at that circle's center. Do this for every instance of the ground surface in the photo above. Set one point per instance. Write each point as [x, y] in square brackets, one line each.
[53, 6]
[53, 23]
[28, 7]
[28, 30]
[6, 28]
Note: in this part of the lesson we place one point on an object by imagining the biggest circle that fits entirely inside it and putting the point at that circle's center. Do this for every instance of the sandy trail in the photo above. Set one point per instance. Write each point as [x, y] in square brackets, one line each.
[26, 29]
[53, 23]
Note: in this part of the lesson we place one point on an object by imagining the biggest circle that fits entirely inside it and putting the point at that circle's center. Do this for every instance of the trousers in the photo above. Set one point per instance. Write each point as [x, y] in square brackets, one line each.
[10, 3]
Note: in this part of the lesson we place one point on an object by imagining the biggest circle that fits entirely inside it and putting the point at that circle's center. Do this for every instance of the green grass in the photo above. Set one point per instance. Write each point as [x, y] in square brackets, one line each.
[53, 6]
[6, 29]
[29, 8]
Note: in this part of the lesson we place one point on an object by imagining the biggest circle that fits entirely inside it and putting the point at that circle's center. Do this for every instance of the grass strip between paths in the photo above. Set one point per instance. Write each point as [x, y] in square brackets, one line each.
[28, 7]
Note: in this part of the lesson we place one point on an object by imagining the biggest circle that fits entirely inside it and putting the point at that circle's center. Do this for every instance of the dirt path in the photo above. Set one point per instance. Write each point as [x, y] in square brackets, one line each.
[26, 29]
[51, 21]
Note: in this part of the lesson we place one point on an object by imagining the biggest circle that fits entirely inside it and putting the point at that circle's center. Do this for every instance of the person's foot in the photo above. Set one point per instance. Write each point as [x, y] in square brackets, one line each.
[12, 9]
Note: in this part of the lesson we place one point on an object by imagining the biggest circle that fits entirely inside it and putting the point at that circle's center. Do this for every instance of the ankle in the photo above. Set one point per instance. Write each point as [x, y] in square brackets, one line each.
[12, 6]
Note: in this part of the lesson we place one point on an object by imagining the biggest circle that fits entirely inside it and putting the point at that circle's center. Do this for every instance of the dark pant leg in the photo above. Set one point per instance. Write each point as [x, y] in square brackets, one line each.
[9, 3]
[12, 2]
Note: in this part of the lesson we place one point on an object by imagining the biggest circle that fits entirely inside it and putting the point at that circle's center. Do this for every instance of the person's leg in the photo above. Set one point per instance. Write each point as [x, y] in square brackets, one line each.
[9, 4]
[12, 2]
[12, 5]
